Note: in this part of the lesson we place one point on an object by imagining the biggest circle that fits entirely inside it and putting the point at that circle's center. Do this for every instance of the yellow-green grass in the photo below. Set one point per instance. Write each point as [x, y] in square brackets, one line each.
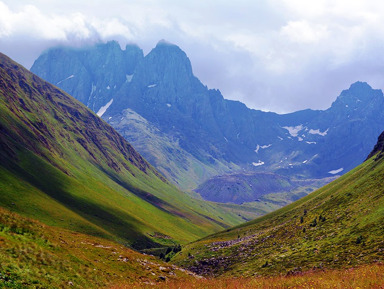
[362, 277]
[34, 255]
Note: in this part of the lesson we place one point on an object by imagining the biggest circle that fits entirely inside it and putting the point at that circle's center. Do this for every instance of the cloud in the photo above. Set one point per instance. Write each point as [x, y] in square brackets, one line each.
[279, 55]
[303, 32]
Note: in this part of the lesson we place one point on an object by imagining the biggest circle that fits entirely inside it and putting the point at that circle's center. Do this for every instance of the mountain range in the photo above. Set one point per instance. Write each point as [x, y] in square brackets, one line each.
[191, 133]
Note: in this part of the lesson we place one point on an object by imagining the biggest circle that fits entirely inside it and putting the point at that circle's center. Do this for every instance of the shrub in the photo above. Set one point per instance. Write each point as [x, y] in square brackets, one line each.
[177, 248]
[265, 264]
[359, 240]
[314, 223]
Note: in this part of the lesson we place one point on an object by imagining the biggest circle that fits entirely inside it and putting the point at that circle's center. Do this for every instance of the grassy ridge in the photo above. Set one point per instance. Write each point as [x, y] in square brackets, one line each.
[61, 164]
[337, 226]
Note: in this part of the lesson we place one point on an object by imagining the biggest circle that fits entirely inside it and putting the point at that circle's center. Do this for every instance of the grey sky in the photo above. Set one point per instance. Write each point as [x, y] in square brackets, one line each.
[276, 55]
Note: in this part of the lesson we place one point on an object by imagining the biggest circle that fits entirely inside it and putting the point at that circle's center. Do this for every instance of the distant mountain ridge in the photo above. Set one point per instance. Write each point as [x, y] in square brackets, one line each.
[209, 134]
[251, 187]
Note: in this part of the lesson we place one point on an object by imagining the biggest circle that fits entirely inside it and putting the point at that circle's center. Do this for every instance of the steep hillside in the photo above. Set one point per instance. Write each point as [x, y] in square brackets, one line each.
[34, 255]
[63, 165]
[161, 89]
[338, 226]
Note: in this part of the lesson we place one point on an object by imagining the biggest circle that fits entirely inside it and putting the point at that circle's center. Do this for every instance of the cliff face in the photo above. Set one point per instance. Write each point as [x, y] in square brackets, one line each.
[379, 148]
[93, 75]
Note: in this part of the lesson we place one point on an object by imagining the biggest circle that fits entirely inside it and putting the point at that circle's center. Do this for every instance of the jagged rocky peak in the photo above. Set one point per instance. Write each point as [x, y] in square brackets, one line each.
[357, 94]
[164, 42]
[112, 45]
[133, 50]
[92, 74]
[168, 59]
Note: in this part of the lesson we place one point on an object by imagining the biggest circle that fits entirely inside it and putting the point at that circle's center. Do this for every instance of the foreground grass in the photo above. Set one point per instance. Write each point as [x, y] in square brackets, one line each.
[34, 255]
[367, 276]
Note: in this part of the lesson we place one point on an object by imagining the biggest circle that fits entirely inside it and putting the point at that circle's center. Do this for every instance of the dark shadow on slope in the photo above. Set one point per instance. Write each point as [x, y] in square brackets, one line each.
[213, 220]
[52, 182]
[146, 196]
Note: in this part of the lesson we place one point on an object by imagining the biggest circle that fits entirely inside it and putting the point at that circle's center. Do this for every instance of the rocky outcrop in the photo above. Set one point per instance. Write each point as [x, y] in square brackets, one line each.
[378, 150]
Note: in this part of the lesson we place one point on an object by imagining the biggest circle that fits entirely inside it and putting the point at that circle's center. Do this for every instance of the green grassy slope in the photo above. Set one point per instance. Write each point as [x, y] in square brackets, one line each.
[61, 164]
[340, 225]
[33, 255]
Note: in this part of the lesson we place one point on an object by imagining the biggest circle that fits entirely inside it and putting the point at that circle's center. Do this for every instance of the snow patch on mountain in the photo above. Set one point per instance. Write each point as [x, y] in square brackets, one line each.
[129, 77]
[93, 90]
[104, 108]
[258, 147]
[69, 77]
[318, 132]
[152, 85]
[334, 172]
[259, 163]
[294, 130]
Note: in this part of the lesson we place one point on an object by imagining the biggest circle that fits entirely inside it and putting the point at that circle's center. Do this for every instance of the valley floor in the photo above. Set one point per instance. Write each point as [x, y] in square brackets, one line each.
[367, 276]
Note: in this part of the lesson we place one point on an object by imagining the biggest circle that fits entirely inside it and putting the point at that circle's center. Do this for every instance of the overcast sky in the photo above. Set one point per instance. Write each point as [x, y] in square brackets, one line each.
[274, 55]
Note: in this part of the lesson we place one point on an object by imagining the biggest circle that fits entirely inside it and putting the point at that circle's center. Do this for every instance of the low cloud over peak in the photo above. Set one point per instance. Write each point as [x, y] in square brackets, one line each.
[278, 55]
